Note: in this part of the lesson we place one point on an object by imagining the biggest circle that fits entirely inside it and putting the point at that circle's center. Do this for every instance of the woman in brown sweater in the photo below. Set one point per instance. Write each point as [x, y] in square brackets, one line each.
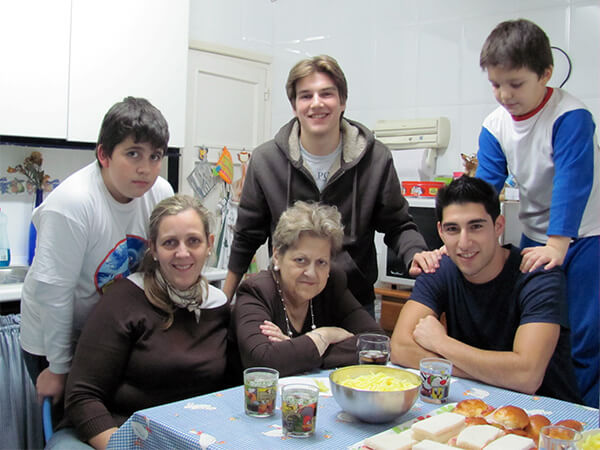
[155, 337]
[299, 315]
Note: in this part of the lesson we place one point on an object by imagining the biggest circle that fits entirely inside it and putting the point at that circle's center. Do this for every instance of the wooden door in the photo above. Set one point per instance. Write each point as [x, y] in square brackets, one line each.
[228, 104]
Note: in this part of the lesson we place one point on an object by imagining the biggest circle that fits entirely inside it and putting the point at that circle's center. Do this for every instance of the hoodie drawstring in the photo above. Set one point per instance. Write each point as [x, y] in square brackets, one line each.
[289, 184]
[353, 224]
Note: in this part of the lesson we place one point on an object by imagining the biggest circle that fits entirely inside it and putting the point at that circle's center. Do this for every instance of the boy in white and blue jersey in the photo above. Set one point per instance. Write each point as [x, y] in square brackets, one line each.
[546, 139]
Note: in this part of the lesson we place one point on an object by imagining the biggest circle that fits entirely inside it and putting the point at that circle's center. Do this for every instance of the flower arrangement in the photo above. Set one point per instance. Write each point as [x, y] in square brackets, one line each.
[37, 179]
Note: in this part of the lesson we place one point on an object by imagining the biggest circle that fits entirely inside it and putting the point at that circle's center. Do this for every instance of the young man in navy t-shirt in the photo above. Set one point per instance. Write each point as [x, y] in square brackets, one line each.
[503, 327]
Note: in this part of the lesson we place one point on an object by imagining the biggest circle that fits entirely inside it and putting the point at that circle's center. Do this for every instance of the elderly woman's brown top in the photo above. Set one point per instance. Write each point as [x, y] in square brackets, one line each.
[259, 300]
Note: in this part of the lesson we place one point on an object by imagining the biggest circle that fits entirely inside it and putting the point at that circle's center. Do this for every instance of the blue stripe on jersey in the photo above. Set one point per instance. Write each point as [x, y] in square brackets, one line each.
[573, 155]
[492, 166]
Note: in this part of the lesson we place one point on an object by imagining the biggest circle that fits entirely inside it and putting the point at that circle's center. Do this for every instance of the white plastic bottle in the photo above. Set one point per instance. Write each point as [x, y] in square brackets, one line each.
[4, 247]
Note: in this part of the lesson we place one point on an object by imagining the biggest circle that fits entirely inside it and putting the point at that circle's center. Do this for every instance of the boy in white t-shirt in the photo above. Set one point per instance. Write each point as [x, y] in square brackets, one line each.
[91, 230]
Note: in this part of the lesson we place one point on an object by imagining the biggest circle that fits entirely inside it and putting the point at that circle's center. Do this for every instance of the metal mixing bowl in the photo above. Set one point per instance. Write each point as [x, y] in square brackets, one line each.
[374, 406]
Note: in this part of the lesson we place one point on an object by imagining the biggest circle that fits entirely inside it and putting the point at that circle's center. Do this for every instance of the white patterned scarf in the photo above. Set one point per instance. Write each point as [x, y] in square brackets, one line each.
[190, 298]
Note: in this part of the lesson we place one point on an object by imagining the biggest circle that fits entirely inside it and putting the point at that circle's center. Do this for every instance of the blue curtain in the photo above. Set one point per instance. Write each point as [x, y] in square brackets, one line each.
[20, 413]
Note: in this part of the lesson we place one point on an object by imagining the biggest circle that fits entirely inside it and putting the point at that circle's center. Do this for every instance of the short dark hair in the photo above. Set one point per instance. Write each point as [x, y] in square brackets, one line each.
[317, 64]
[468, 190]
[136, 118]
[515, 44]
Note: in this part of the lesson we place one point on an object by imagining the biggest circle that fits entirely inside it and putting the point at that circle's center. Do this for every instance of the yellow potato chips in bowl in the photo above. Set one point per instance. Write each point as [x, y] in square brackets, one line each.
[590, 440]
[373, 393]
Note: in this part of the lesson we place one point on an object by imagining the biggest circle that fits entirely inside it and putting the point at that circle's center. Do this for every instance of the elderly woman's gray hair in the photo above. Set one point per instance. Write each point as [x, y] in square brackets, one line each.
[313, 219]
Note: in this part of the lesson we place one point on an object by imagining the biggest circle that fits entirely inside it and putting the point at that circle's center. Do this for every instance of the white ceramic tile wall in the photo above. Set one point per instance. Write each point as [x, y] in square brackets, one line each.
[404, 58]
[58, 163]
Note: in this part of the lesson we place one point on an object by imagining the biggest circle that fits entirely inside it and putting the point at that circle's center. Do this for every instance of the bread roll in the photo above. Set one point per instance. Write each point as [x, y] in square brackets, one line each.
[511, 417]
[519, 432]
[475, 421]
[561, 432]
[570, 423]
[473, 407]
[536, 422]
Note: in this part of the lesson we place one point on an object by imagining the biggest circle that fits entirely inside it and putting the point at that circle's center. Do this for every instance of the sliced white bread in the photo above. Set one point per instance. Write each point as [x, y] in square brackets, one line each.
[476, 437]
[439, 428]
[391, 441]
[428, 444]
[511, 442]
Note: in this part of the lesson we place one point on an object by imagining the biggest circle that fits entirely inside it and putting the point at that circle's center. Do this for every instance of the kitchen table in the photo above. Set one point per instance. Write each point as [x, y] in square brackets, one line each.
[217, 420]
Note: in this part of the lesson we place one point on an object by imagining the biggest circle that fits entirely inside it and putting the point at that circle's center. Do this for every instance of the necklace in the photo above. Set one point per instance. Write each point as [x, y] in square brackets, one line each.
[287, 321]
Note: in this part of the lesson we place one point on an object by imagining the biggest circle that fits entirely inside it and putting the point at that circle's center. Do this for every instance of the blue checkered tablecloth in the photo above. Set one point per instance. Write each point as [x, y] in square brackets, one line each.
[217, 420]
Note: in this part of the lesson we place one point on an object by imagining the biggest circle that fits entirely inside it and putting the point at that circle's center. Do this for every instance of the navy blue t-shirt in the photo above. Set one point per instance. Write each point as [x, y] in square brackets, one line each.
[486, 316]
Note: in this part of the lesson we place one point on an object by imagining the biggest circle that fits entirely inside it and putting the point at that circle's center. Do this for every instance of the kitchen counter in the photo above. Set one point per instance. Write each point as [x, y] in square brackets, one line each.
[12, 292]
[11, 282]
[215, 274]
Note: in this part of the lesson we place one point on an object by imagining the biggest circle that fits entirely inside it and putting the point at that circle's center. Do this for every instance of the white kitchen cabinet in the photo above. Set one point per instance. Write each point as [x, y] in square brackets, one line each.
[34, 50]
[127, 47]
[65, 62]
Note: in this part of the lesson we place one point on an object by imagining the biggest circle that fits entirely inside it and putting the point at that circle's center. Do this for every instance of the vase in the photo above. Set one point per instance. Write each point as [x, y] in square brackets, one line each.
[39, 197]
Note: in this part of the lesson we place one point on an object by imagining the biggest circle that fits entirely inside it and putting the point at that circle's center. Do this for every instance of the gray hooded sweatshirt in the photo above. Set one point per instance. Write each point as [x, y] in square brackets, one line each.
[363, 186]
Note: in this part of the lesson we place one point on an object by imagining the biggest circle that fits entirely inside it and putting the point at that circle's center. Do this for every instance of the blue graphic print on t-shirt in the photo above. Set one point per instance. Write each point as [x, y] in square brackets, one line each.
[122, 261]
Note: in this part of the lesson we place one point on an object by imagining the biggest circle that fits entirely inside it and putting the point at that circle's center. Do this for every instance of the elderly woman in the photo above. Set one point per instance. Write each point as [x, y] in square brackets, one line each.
[299, 315]
[155, 337]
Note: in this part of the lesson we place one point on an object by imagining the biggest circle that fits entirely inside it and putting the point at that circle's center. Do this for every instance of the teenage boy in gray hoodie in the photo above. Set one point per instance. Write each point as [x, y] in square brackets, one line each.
[321, 156]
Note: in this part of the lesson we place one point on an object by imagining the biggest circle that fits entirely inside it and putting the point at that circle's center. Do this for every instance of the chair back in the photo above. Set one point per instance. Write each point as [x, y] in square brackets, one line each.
[47, 418]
